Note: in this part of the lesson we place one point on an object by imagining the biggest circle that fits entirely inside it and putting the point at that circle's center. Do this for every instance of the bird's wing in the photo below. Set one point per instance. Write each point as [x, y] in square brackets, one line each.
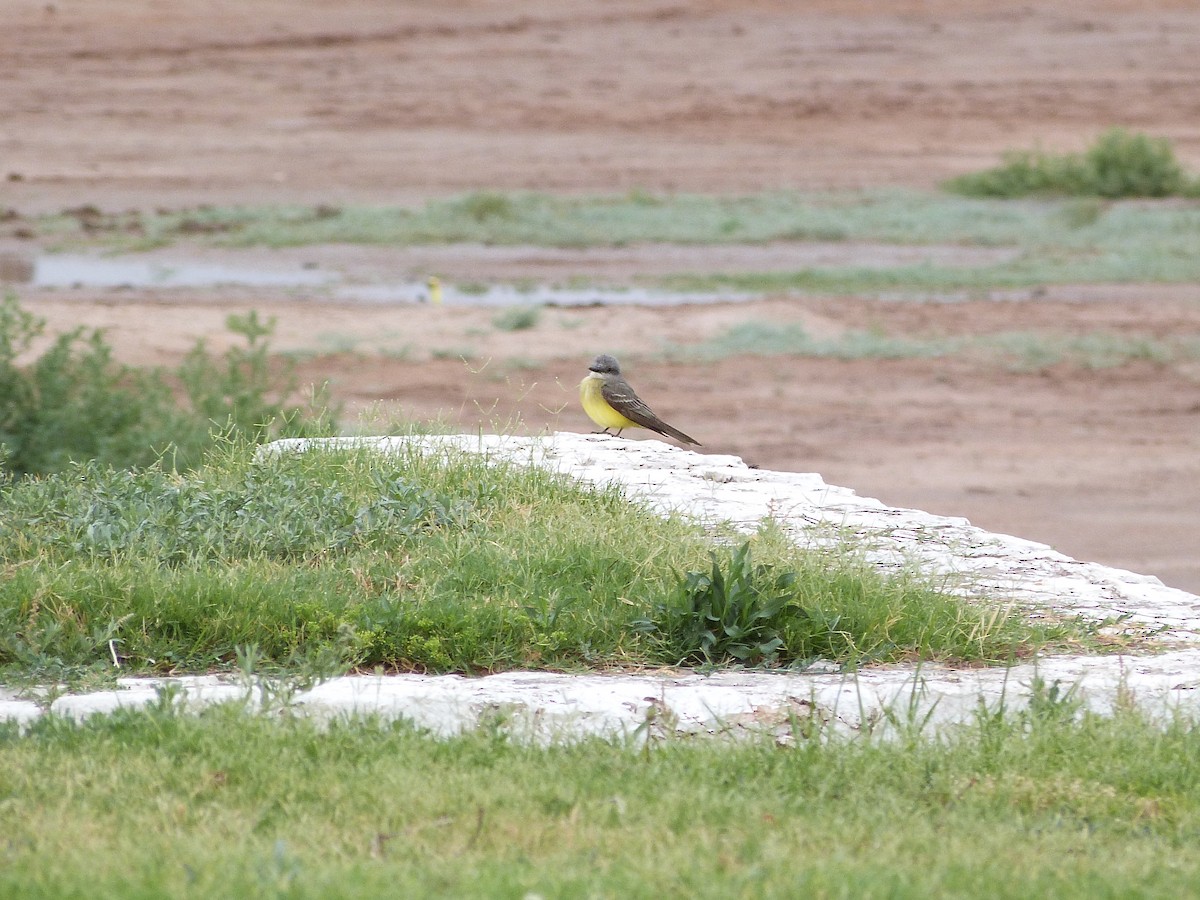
[620, 396]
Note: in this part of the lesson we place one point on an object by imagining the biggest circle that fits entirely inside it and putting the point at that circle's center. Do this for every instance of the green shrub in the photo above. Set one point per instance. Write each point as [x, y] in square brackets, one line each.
[74, 402]
[244, 391]
[1120, 164]
[1024, 172]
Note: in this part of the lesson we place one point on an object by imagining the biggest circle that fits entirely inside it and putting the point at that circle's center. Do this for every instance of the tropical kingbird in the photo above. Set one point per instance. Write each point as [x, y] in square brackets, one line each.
[610, 402]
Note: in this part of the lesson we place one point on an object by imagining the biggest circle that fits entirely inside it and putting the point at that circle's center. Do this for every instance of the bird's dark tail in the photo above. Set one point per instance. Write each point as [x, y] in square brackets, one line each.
[671, 431]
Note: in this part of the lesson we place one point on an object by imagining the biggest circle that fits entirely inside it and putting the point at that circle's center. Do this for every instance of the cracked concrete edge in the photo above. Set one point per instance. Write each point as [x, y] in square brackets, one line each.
[548, 706]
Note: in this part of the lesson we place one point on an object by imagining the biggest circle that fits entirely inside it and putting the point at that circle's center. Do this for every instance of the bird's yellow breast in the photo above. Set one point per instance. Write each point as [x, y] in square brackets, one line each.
[597, 407]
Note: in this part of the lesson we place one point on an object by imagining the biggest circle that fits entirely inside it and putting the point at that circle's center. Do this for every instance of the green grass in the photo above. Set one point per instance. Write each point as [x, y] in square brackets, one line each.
[473, 288]
[486, 217]
[893, 216]
[1033, 351]
[1032, 804]
[1019, 350]
[1071, 240]
[756, 338]
[1124, 246]
[413, 561]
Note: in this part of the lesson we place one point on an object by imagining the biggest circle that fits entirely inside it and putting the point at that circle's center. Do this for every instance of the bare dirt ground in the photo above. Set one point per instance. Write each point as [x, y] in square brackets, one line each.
[140, 103]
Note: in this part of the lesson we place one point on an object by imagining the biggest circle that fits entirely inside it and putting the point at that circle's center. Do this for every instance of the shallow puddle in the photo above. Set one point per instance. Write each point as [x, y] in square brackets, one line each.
[76, 271]
[477, 274]
[62, 270]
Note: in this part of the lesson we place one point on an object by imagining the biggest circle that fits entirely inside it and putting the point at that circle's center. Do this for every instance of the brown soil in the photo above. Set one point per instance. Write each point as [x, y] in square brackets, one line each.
[140, 103]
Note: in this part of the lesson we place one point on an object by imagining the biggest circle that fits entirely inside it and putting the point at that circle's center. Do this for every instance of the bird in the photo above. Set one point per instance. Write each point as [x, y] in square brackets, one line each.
[435, 290]
[610, 402]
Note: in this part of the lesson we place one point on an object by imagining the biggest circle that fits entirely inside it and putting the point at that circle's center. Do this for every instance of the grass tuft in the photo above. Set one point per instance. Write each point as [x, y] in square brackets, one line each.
[517, 318]
[484, 205]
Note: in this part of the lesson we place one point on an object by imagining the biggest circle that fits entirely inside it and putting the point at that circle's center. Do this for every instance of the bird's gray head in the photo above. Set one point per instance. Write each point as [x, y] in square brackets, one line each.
[605, 365]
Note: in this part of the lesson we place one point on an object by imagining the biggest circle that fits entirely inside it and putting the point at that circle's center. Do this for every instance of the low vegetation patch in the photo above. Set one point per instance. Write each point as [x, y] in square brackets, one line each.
[1049, 802]
[755, 338]
[423, 561]
[482, 217]
[74, 403]
[890, 216]
[1019, 350]
[1120, 164]
[517, 318]
[1072, 238]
